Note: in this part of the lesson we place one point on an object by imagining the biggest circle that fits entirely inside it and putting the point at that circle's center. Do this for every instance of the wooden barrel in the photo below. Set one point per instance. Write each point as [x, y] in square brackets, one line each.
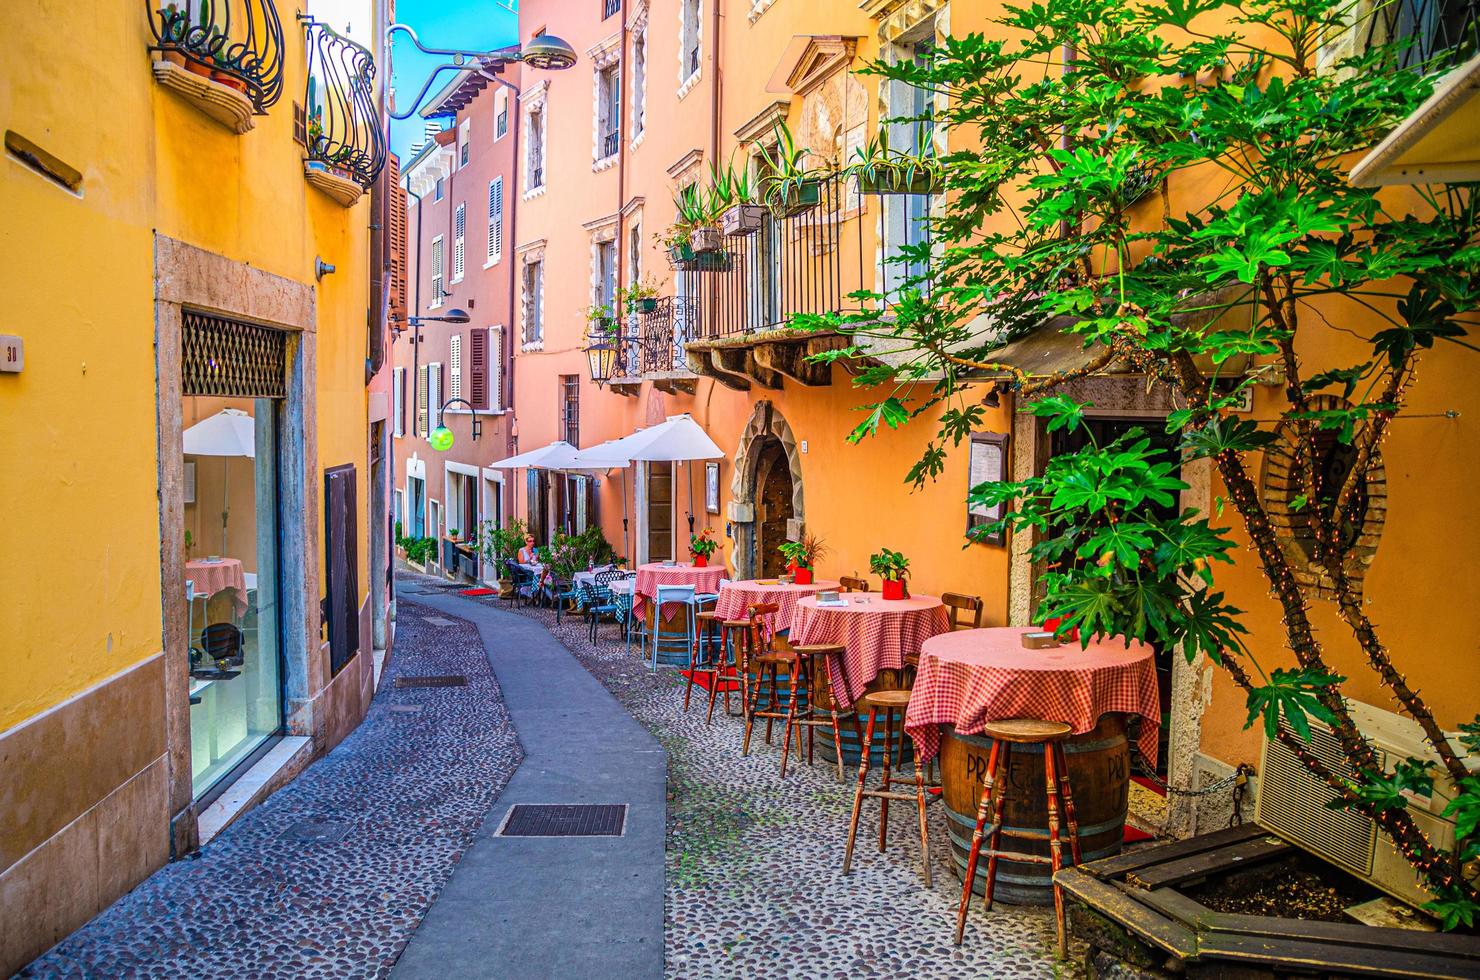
[903, 750]
[1099, 778]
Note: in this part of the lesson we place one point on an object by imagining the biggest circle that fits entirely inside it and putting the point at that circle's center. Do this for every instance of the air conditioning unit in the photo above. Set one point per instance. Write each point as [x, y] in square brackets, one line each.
[1292, 802]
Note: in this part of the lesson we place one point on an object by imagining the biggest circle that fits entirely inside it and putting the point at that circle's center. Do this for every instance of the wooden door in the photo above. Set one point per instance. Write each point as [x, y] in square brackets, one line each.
[341, 565]
[773, 508]
[660, 511]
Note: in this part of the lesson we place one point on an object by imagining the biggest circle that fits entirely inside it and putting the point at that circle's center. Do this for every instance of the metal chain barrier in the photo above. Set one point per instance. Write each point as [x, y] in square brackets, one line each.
[1238, 780]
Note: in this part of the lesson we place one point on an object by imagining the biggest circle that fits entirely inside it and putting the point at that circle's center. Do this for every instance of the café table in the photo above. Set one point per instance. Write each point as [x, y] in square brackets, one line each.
[208, 577]
[970, 677]
[875, 632]
[656, 573]
[738, 596]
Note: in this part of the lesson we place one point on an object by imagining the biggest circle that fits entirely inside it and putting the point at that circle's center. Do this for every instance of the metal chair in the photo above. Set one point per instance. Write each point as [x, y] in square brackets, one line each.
[673, 642]
[599, 600]
[523, 580]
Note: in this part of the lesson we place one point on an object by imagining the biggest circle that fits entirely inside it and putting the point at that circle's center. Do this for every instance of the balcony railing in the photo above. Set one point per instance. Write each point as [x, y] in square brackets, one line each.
[653, 341]
[609, 143]
[236, 42]
[807, 262]
[344, 129]
[610, 7]
[1442, 33]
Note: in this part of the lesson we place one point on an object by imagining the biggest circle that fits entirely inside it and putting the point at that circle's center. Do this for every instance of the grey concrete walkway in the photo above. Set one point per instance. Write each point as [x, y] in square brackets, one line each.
[587, 907]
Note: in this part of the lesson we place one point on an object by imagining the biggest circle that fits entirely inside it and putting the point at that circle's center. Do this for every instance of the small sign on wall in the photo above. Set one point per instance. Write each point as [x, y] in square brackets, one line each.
[12, 353]
[988, 465]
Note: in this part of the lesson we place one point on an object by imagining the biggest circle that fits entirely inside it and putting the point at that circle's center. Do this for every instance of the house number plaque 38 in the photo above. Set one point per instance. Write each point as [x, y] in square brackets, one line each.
[12, 353]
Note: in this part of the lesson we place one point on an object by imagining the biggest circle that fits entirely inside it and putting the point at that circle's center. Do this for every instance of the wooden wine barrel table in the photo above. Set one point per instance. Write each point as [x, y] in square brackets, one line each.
[970, 677]
[852, 726]
[672, 616]
[1099, 776]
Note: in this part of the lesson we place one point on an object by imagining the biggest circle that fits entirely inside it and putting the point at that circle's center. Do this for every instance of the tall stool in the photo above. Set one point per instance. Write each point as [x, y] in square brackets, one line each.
[708, 656]
[887, 702]
[1004, 735]
[819, 691]
[734, 641]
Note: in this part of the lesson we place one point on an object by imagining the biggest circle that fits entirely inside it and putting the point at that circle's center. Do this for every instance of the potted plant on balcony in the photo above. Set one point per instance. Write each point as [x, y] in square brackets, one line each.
[744, 215]
[600, 320]
[695, 207]
[882, 170]
[801, 557]
[173, 24]
[227, 69]
[789, 187]
[641, 296]
[701, 546]
[893, 568]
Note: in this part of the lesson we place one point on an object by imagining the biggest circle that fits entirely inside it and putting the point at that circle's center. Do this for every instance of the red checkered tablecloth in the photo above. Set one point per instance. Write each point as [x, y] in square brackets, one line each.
[736, 597]
[970, 677]
[654, 574]
[876, 633]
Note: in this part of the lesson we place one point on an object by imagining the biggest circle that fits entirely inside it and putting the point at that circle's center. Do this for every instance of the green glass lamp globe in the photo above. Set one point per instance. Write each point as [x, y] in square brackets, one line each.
[440, 438]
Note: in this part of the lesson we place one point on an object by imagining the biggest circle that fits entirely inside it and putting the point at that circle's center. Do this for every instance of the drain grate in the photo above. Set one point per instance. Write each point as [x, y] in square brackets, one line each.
[438, 621]
[406, 709]
[433, 680]
[564, 820]
[317, 831]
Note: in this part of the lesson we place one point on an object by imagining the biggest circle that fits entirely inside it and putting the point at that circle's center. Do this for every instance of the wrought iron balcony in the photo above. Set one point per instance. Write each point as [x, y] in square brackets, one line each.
[238, 43]
[609, 142]
[1441, 33]
[344, 129]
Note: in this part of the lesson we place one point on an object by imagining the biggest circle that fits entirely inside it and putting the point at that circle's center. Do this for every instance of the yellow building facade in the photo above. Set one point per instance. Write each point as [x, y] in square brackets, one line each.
[166, 254]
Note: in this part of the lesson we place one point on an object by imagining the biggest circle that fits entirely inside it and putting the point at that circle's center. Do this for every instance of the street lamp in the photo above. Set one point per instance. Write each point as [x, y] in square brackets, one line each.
[602, 358]
[544, 51]
[440, 438]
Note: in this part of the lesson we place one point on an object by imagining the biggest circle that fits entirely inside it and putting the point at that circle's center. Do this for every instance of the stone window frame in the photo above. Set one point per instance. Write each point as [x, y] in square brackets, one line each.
[607, 54]
[532, 102]
[637, 97]
[688, 80]
[603, 231]
[529, 255]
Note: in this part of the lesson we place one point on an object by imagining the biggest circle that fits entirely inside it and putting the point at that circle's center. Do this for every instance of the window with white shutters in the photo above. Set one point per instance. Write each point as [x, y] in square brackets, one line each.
[436, 272]
[454, 366]
[421, 399]
[398, 395]
[459, 234]
[495, 220]
[434, 393]
[496, 368]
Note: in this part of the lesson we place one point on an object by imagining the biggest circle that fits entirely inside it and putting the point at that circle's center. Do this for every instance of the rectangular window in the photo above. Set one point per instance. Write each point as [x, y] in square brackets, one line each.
[465, 140]
[570, 408]
[639, 82]
[398, 396]
[454, 366]
[495, 220]
[500, 113]
[907, 216]
[536, 163]
[534, 284]
[606, 274]
[608, 95]
[436, 272]
[634, 254]
[688, 51]
[437, 190]
[609, 8]
[460, 230]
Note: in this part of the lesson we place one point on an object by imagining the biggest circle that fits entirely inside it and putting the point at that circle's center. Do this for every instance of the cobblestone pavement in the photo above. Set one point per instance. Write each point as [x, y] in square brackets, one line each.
[755, 886]
[408, 789]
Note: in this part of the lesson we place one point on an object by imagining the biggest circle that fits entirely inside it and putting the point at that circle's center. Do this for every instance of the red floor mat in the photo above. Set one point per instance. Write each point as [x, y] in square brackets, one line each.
[480, 592]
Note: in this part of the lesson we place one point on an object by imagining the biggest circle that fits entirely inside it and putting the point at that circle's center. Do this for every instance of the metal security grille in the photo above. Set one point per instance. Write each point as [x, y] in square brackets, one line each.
[232, 359]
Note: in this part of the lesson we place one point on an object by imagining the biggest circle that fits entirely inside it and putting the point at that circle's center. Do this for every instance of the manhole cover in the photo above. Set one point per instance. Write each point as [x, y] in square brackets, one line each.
[438, 621]
[433, 680]
[564, 820]
[317, 831]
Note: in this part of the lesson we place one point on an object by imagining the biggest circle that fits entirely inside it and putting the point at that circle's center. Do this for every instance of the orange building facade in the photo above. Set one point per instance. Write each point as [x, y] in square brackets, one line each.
[665, 89]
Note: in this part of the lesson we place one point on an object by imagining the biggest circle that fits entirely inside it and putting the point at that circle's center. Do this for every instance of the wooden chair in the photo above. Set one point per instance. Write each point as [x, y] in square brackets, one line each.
[1004, 735]
[850, 584]
[958, 606]
[889, 703]
[820, 697]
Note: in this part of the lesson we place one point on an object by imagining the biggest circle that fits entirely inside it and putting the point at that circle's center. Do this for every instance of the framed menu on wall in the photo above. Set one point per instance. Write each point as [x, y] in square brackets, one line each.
[711, 487]
[988, 465]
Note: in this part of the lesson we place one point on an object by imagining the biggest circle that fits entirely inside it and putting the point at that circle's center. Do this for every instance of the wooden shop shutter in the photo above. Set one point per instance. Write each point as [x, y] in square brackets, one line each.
[342, 567]
[396, 243]
[478, 367]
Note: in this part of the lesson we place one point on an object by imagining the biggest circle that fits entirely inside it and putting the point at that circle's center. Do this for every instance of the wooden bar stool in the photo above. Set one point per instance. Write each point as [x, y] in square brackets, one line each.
[819, 691]
[1004, 735]
[734, 640]
[887, 702]
[756, 642]
[708, 657]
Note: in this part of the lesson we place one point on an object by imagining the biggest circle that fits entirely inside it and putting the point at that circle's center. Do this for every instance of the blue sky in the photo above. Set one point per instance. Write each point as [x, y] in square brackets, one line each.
[464, 24]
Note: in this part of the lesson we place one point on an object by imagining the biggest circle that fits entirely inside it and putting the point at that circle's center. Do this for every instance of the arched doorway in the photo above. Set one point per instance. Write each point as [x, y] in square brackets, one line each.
[773, 510]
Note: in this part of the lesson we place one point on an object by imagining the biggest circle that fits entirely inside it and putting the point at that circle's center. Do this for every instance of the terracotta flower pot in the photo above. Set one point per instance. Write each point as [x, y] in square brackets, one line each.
[894, 588]
[174, 57]
[191, 65]
[229, 80]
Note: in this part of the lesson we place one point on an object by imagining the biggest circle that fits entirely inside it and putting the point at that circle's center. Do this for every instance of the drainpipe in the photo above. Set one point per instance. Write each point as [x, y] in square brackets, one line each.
[622, 69]
[512, 197]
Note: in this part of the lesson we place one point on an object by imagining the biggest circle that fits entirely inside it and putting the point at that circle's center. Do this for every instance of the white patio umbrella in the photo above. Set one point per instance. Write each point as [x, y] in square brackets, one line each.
[230, 432]
[678, 439]
[558, 455]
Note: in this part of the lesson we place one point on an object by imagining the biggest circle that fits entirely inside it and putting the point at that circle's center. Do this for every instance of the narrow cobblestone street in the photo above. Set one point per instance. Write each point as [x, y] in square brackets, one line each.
[393, 807]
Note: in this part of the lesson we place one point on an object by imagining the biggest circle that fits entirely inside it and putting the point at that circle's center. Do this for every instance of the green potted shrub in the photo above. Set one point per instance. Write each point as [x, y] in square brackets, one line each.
[695, 208]
[790, 187]
[893, 568]
[882, 170]
[801, 557]
[600, 320]
[744, 215]
[495, 544]
[701, 546]
[641, 296]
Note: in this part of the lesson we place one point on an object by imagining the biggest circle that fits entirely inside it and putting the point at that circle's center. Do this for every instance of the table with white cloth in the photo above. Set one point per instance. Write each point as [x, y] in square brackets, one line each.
[971, 677]
[736, 598]
[588, 577]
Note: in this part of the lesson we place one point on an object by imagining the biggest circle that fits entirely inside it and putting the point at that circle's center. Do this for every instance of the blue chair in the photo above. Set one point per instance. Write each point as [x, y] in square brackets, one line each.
[561, 595]
[598, 600]
[523, 580]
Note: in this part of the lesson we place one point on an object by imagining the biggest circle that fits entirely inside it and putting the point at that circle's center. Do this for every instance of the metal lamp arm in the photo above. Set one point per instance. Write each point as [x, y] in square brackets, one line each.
[460, 60]
[472, 413]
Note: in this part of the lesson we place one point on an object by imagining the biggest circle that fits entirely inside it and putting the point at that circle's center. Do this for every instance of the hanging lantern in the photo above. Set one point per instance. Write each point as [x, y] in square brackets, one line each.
[602, 358]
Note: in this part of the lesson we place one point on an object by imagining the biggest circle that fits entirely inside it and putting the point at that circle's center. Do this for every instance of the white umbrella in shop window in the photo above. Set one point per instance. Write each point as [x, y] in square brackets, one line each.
[230, 432]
